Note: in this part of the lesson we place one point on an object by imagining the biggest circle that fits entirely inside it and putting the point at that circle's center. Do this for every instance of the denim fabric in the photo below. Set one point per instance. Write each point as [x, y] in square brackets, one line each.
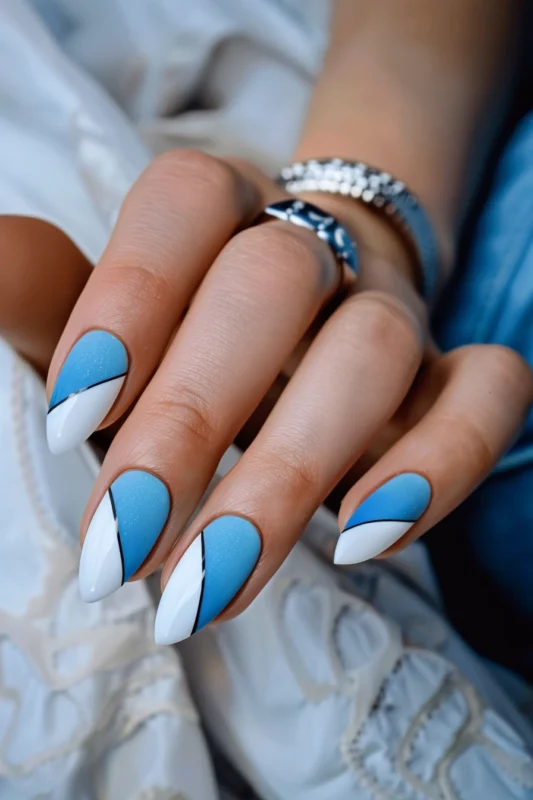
[483, 553]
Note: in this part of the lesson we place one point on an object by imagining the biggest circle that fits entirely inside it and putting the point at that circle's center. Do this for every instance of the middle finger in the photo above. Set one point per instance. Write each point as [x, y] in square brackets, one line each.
[255, 304]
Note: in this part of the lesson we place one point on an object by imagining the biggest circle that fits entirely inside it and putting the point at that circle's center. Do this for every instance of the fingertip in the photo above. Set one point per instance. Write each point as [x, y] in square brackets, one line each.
[74, 419]
[101, 570]
[366, 541]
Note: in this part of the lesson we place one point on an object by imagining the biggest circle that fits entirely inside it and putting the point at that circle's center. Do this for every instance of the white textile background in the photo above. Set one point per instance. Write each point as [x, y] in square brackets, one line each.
[332, 686]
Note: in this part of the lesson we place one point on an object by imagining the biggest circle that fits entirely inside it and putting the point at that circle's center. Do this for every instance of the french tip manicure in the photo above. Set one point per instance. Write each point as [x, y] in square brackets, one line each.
[101, 569]
[383, 518]
[162, 635]
[74, 420]
[210, 573]
[86, 389]
[93, 593]
[366, 541]
[342, 556]
[122, 532]
[53, 439]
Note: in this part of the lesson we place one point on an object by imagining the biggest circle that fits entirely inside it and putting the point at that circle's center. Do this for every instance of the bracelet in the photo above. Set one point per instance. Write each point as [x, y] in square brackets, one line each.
[381, 192]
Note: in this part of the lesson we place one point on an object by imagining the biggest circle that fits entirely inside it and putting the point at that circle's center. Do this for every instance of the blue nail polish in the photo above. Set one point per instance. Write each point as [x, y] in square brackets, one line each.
[383, 518]
[86, 388]
[208, 576]
[122, 532]
[142, 506]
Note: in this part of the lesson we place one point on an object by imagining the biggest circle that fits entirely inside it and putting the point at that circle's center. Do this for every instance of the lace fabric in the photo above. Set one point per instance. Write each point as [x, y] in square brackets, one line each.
[332, 685]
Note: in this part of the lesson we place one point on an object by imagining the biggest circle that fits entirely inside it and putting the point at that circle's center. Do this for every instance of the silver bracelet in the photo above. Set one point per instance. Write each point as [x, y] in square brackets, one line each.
[381, 192]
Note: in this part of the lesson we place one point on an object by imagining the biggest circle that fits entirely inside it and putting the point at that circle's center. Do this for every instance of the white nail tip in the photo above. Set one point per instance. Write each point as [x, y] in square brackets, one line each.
[101, 571]
[368, 540]
[180, 602]
[75, 419]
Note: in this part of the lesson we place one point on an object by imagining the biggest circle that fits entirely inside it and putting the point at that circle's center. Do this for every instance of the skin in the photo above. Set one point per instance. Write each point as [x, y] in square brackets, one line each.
[215, 313]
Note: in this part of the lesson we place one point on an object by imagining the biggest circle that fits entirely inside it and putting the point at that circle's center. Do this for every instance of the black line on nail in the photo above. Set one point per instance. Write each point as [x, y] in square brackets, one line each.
[73, 394]
[113, 508]
[371, 521]
[195, 626]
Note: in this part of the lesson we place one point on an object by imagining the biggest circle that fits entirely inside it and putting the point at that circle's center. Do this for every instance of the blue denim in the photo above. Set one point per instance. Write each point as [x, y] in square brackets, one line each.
[483, 553]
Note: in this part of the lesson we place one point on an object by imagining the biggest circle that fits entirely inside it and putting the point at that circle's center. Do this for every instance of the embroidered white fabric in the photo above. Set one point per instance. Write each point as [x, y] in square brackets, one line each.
[334, 684]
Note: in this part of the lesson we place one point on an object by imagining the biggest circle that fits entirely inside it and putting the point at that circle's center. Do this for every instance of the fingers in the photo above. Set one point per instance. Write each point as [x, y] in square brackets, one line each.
[353, 378]
[255, 304]
[41, 276]
[487, 392]
[172, 225]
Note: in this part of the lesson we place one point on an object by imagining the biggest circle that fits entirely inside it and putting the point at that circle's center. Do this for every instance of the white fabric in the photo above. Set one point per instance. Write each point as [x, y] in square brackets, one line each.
[333, 685]
[89, 706]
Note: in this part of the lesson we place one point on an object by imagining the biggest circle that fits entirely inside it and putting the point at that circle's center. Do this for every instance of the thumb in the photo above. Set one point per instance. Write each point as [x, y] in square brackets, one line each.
[42, 274]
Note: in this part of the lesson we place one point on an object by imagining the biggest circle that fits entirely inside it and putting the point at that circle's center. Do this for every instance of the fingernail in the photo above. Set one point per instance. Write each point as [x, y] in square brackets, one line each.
[383, 518]
[207, 578]
[122, 532]
[86, 389]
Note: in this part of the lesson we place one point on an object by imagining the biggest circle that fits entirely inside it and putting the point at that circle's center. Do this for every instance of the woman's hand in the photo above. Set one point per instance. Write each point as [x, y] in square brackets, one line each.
[188, 319]
[191, 314]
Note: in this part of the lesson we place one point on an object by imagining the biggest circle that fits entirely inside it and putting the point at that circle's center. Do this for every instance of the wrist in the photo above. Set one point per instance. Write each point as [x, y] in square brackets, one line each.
[397, 143]
[403, 91]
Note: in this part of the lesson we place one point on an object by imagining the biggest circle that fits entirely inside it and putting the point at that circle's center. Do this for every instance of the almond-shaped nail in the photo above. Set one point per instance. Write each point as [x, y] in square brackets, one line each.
[86, 389]
[383, 518]
[212, 570]
[125, 527]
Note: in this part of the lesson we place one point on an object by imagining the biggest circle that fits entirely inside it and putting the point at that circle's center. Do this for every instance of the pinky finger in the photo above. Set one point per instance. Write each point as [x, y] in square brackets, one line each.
[487, 393]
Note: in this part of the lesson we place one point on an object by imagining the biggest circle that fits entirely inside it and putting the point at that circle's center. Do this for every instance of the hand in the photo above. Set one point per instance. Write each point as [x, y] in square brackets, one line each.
[185, 324]
[31, 252]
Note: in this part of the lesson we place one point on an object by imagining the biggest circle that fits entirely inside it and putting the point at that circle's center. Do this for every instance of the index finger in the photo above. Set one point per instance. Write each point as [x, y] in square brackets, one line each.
[173, 223]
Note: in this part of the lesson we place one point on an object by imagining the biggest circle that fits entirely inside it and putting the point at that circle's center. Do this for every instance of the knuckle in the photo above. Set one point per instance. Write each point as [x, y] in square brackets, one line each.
[243, 166]
[146, 285]
[475, 445]
[297, 472]
[503, 363]
[278, 240]
[193, 167]
[289, 254]
[185, 412]
[386, 322]
[508, 361]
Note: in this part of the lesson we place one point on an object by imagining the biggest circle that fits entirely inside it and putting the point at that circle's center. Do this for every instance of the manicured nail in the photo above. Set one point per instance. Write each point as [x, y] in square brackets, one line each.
[383, 518]
[207, 578]
[86, 389]
[122, 532]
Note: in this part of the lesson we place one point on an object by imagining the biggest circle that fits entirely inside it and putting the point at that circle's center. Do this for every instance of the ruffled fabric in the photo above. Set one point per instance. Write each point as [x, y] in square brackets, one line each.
[332, 685]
